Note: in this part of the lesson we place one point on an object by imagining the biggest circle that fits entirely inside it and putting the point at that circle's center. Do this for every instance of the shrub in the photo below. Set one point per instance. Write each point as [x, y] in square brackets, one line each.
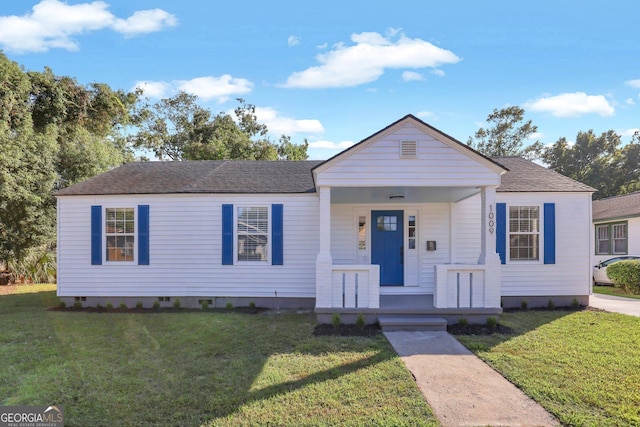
[37, 266]
[109, 306]
[361, 321]
[77, 305]
[205, 304]
[61, 304]
[575, 304]
[492, 323]
[176, 303]
[139, 305]
[625, 275]
[524, 304]
[252, 305]
[551, 305]
[336, 320]
[123, 306]
[156, 305]
[463, 321]
[229, 306]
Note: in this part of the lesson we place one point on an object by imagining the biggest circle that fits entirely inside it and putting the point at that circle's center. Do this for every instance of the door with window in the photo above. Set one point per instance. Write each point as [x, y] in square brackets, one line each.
[387, 250]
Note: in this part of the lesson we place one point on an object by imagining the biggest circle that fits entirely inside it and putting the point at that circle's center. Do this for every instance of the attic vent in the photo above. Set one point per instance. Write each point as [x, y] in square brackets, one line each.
[408, 149]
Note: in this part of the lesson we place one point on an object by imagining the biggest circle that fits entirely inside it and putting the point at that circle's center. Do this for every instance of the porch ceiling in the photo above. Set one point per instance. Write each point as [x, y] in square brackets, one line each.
[408, 194]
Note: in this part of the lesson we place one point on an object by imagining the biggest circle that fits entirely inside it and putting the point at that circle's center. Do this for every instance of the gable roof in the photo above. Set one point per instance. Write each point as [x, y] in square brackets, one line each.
[213, 176]
[526, 176]
[624, 206]
[427, 128]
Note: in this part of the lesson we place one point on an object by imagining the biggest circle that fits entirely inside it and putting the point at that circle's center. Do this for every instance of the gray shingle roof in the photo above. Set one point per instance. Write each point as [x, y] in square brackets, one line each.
[253, 177]
[223, 176]
[624, 206]
[526, 176]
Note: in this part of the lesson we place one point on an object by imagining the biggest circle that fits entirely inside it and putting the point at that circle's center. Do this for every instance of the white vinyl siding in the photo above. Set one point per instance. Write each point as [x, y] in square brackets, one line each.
[185, 239]
[377, 163]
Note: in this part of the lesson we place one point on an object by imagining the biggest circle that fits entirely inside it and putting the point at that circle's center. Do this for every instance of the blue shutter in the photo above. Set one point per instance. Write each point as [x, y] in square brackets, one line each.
[549, 233]
[143, 234]
[277, 244]
[227, 234]
[96, 235]
[501, 231]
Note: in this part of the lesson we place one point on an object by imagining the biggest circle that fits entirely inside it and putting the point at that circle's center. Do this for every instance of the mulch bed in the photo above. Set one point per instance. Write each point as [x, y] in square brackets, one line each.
[245, 310]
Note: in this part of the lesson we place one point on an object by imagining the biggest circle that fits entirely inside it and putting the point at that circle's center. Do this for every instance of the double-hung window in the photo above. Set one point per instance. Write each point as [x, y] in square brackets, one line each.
[611, 239]
[253, 233]
[524, 233]
[120, 234]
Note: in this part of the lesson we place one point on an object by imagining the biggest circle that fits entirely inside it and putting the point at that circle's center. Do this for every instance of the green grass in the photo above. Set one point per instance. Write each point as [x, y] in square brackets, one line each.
[197, 368]
[583, 367]
[612, 290]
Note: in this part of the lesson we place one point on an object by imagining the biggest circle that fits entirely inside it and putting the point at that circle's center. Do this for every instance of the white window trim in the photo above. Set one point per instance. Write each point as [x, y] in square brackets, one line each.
[540, 259]
[610, 226]
[238, 261]
[134, 261]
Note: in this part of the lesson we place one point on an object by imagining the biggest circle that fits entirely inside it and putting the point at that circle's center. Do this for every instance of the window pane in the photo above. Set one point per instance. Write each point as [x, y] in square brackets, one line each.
[253, 232]
[387, 223]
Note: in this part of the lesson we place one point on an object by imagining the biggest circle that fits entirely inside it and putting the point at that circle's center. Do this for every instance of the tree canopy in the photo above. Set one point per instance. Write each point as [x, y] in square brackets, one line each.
[177, 128]
[506, 135]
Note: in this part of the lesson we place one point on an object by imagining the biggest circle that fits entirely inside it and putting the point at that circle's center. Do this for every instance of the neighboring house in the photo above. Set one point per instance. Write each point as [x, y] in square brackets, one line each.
[616, 226]
[407, 221]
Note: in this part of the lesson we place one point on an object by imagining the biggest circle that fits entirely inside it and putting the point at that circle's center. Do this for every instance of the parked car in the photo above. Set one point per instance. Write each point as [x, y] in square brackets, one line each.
[600, 270]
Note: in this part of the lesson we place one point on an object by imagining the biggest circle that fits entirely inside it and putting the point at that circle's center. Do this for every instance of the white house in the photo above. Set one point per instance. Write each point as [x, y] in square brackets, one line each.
[616, 222]
[408, 221]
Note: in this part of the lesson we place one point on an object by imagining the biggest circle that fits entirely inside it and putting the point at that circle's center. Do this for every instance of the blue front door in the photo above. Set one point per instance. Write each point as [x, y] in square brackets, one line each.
[387, 246]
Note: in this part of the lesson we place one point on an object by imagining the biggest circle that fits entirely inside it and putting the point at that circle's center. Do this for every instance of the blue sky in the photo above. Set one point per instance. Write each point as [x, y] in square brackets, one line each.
[336, 72]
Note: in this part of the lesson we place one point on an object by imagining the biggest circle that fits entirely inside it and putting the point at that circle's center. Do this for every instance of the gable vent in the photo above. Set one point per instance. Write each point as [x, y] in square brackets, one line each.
[408, 149]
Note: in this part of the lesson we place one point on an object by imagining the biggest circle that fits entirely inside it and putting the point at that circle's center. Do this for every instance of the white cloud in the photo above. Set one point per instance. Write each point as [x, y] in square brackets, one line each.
[330, 145]
[280, 125]
[426, 115]
[629, 101]
[411, 76]
[633, 83]
[572, 105]
[629, 132]
[535, 136]
[293, 41]
[207, 88]
[52, 24]
[438, 72]
[219, 89]
[367, 59]
[154, 89]
[145, 21]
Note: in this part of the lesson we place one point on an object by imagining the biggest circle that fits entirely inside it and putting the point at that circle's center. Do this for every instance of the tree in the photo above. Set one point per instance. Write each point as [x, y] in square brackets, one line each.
[88, 122]
[27, 172]
[177, 128]
[507, 135]
[594, 160]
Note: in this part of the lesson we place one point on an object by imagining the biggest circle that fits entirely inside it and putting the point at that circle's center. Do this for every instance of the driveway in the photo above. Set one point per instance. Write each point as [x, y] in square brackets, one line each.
[615, 304]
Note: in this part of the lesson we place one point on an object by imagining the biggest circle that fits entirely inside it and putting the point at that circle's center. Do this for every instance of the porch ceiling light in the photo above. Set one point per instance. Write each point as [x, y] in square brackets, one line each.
[396, 196]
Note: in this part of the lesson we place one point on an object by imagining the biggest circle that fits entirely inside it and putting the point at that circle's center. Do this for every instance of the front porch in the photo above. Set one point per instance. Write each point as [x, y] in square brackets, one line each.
[414, 309]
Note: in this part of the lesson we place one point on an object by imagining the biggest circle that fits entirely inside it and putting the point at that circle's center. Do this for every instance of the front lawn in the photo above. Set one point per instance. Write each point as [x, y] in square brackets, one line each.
[612, 290]
[583, 367]
[197, 368]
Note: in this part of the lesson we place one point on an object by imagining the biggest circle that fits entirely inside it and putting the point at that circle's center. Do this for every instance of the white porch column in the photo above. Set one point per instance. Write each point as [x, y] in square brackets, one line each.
[488, 255]
[323, 261]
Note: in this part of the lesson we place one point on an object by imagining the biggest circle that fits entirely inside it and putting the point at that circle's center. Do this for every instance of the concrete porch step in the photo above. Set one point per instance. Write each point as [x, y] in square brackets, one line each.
[411, 323]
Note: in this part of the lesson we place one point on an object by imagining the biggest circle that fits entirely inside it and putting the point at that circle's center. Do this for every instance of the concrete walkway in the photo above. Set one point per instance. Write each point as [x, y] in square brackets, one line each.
[622, 305]
[460, 388]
